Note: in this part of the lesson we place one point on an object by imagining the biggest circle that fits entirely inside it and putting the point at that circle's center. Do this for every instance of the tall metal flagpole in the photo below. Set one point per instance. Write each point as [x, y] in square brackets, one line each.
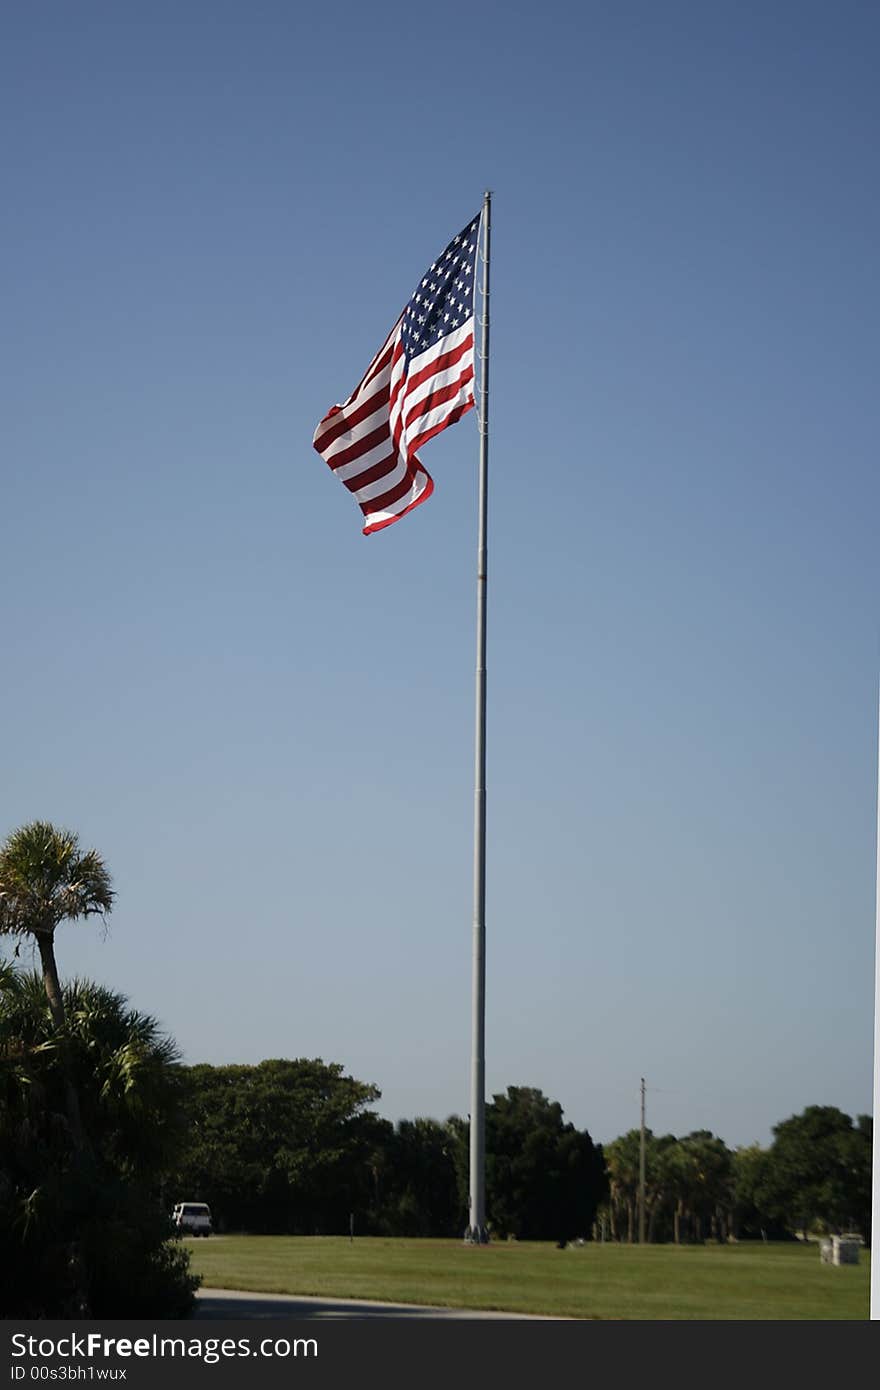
[477, 1233]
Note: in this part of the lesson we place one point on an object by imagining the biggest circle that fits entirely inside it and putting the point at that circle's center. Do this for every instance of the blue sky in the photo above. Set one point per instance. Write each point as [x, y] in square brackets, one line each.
[213, 214]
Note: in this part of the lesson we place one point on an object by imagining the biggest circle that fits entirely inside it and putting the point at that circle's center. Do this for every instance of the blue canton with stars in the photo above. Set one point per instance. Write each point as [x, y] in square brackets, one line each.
[444, 299]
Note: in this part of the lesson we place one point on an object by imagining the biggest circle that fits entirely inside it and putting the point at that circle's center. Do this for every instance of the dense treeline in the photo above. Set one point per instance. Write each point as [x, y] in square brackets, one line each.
[291, 1146]
[815, 1176]
[279, 1147]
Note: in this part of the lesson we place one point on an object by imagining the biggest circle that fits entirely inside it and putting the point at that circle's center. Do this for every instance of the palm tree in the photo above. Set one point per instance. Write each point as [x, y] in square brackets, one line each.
[622, 1162]
[83, 1233]
[127, 1071]
[45, 880]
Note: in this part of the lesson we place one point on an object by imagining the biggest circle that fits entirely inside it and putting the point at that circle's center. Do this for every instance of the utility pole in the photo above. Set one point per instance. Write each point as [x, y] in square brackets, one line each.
[642, 1171]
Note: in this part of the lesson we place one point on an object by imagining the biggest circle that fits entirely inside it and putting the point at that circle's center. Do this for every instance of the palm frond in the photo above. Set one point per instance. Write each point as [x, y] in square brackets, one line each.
[45, 879]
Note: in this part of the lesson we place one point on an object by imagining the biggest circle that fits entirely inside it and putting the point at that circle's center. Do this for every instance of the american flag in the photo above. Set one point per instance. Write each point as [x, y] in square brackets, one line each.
[420, 381]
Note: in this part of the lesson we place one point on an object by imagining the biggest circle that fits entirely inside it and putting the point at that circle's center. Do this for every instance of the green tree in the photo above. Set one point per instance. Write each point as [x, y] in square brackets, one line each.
[421, 1195]
[687, 1186]
[819, 1170]
[283, 1146]
[659, 1185]
[83, 1230]
[544, 1178]
[858, 1157]
[711, 1194]
[752, 1217]
[45, 879]
[622, 1162]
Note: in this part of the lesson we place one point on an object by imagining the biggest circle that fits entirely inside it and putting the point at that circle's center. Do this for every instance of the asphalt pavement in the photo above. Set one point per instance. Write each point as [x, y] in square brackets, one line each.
[238, 1303]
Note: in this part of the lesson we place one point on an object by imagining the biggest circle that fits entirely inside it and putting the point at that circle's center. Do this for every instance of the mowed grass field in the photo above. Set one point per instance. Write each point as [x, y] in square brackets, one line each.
[747, 1281]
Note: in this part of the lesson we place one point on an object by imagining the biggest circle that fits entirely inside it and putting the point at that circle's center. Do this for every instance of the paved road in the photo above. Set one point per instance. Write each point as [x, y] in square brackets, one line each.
[235, 1303]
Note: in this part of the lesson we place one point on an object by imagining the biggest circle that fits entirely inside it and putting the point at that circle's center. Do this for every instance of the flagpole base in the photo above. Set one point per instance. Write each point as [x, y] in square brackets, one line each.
[476, 1235]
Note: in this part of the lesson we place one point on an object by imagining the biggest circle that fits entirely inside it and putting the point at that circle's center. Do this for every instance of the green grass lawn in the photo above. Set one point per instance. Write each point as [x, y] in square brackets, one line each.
[747, 1281]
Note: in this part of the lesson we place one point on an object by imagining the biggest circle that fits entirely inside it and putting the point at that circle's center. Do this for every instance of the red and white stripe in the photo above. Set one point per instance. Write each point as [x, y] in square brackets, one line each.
[370, 441]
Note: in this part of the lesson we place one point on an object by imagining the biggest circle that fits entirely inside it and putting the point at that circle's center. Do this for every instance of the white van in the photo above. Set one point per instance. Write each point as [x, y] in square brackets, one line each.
[192, 1218]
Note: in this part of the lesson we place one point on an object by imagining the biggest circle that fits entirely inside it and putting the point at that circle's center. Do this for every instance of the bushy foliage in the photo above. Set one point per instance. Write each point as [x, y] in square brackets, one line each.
[544, 1178]
[815, 1176]
[819, 1171]
[283, 1147]
[418, 1192]
[291, 1147]
[81, 1224]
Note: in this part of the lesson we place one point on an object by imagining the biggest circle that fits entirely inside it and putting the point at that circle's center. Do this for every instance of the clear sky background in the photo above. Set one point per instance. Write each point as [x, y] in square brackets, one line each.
[212, 215]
